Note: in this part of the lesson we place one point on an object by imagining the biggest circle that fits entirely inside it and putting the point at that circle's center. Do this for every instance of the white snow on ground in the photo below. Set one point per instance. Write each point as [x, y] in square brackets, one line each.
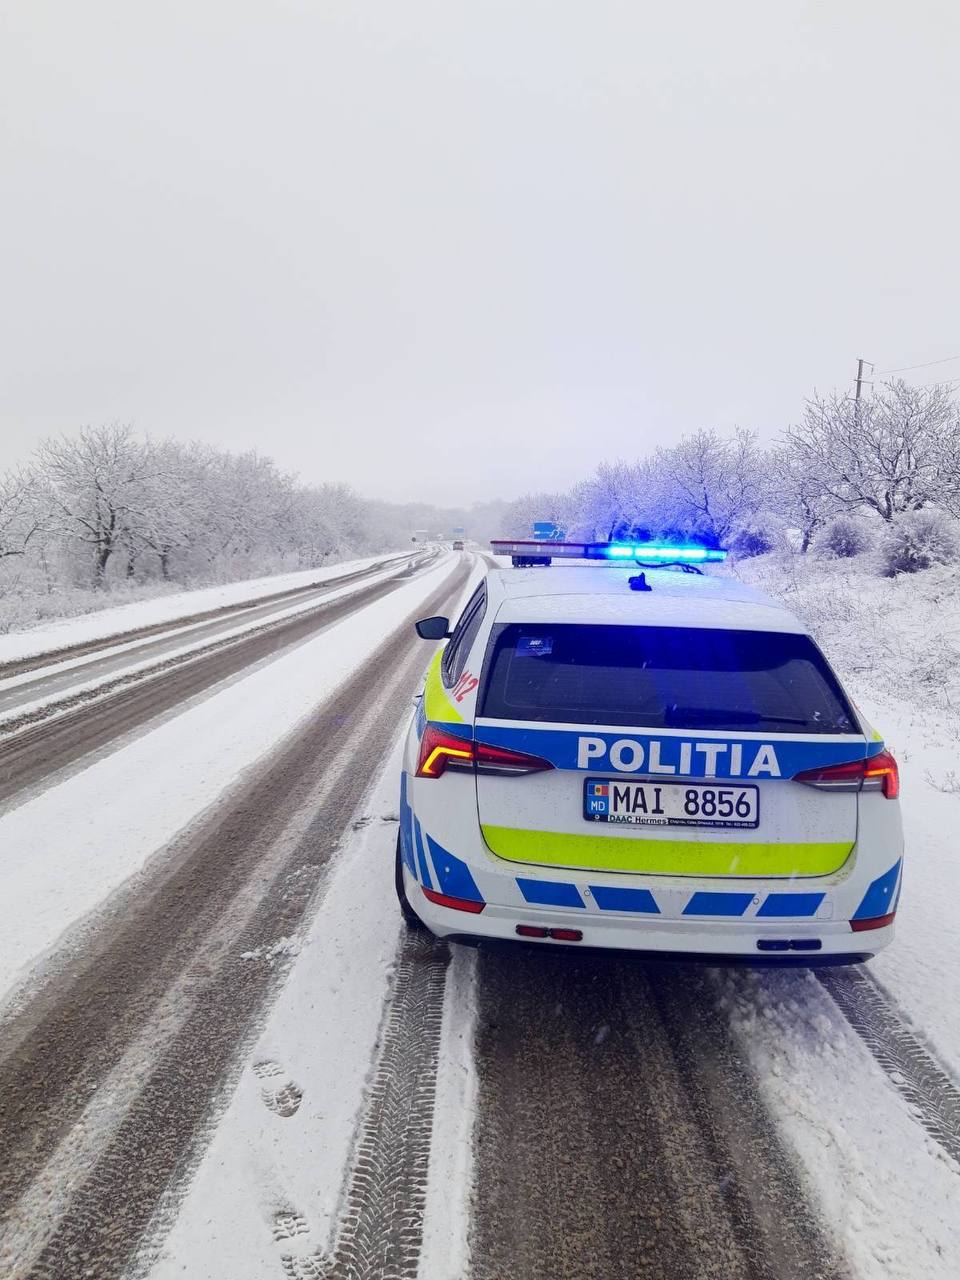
[67, 849]
[188, 645]
[445, 1254]
[167, 608]
[896, 645]
[888, 1192]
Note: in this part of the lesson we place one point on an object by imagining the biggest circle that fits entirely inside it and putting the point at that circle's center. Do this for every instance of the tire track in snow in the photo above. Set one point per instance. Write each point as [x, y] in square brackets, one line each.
[620, 1133]
[70, 652]
[380, 1219]
[932, 1095]
[73, 729]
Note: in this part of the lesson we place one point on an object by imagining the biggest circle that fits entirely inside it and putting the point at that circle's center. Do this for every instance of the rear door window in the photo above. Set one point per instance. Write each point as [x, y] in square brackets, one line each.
[663, 678]
[464, 634]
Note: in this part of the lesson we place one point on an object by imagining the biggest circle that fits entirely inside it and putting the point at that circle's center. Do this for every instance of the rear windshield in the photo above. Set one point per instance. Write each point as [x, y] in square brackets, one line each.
[663, 678]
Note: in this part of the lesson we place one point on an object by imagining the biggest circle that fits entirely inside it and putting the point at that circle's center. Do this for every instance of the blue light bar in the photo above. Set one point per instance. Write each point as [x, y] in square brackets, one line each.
[539, 551]
[659, 551]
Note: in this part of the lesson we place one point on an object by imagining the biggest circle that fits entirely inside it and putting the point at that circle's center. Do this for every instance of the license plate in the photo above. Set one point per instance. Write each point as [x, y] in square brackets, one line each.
[670, 804]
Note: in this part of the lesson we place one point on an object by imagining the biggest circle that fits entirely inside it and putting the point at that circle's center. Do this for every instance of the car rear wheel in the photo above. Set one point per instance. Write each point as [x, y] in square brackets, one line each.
[410, 917]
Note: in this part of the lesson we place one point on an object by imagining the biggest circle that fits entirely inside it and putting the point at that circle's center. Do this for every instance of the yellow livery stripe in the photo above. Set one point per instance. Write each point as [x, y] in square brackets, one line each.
[436, 704]
[665, 857]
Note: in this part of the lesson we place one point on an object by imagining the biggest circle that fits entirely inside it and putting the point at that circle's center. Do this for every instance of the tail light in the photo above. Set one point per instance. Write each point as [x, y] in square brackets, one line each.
[872, 922]
[881, 774]
[454, 904]
[876, 773]
[440, 751]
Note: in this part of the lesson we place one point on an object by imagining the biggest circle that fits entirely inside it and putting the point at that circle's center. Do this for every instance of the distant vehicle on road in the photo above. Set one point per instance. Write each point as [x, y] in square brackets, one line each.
[458, 544]
[625, 755]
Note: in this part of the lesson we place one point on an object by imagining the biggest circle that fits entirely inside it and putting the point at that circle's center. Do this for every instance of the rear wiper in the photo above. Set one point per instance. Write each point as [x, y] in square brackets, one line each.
[700, 716]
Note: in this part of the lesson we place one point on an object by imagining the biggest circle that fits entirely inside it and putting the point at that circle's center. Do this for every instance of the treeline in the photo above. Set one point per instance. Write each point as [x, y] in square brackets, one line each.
[105, 506]
[883, 471]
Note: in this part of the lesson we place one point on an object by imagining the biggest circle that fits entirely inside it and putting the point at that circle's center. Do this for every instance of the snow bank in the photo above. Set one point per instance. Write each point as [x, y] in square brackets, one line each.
[107, 622]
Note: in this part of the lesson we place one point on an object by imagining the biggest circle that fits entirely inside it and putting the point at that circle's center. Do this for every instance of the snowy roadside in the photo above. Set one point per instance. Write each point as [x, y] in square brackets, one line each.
[108, 622]
[85, 688]
[64, 851]
[896, 645]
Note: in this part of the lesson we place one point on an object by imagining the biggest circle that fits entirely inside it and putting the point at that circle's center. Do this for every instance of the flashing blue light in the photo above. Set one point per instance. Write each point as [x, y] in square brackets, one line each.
[662, 551]
[536, 551]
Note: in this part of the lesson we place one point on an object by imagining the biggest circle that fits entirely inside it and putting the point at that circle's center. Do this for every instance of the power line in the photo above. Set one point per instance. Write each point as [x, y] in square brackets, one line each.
[905, 367]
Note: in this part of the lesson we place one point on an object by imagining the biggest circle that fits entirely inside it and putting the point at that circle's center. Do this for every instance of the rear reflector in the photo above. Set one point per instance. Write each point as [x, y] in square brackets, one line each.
[789, 944]
[558, 935]
[874, 922]
[455, 904]
[440, 751]
[876, 773]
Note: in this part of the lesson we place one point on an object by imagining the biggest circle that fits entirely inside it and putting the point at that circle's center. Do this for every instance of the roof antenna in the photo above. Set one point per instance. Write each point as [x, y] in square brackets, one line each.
[639, 583]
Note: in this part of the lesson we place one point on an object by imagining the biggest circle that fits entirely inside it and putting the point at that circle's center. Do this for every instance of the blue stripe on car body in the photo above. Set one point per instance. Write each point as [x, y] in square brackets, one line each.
[561, 746]
[793, 905]
[453, 875]
[550, 893]
[718, 904]
[422, 858]
[880, 898]
[406, 827]
[613, 898]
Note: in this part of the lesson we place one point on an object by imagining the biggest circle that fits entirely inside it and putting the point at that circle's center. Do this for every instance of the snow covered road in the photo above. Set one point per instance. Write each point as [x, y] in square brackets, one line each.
[63, 712]
[202, 841]
[45, 678]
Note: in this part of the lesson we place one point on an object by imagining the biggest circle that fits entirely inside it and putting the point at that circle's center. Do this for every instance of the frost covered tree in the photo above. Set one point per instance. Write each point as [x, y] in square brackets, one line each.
[798, 494]
[519, 516]
[620, 500]
[175, 504]
[95, 483]
[24, 512]
[895, 451]
[711, 484]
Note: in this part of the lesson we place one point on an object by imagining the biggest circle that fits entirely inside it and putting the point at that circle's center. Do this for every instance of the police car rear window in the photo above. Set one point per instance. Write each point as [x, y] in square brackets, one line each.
[663, 678]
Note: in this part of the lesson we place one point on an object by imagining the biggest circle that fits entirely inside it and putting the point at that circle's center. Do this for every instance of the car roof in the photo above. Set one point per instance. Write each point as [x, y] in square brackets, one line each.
[600, 593]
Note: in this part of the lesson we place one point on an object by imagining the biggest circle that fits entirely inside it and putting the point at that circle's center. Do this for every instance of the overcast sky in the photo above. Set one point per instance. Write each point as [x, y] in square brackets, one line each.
[455, 251]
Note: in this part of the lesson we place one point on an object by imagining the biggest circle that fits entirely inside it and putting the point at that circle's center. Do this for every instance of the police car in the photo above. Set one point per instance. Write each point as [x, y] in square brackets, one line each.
[617, 755]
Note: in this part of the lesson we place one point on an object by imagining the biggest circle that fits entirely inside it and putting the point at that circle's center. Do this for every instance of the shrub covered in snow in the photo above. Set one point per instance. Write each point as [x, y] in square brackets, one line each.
[757, 537]
[918, 540]
[843, 537]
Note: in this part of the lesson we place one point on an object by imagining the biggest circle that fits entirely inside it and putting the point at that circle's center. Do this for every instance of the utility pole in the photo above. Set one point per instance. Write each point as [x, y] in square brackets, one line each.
[860, 363]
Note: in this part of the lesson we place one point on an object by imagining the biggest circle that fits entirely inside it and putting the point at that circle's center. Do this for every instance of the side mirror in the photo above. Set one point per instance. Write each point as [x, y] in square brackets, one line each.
[436, 628]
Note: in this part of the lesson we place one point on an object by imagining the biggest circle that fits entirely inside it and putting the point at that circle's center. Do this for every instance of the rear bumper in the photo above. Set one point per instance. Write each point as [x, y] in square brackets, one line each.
[735, 940]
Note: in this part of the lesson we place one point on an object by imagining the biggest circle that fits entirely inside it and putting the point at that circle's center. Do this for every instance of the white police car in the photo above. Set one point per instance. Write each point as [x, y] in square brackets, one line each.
[660, 761]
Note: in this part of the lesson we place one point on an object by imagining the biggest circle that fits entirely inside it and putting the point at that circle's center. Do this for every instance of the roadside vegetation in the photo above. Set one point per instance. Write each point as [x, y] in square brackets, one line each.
[877, 479]
[105, 516]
